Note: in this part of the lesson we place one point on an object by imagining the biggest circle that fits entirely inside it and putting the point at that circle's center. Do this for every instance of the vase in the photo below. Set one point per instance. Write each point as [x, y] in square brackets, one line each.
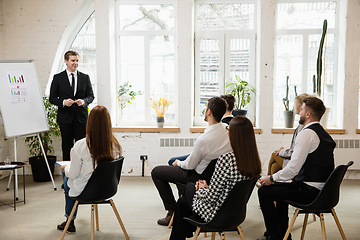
[325, 118]
[289, 119]
[160, 121]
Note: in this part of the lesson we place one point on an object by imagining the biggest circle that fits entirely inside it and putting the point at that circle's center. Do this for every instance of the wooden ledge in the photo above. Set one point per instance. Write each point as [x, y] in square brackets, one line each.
[291, 130]
[147, 129]
[201, 130]
[358, 131]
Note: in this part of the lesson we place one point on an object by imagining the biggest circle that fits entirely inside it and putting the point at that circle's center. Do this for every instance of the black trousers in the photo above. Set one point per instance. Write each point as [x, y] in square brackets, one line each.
[276, 218]
[71, 133]
[162, 176]
[181, 229]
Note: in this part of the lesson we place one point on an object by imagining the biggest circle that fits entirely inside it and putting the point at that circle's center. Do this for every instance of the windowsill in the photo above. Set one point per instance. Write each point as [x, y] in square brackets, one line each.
[201, 130]
[358, 131]
[147, 129]
[291, 130]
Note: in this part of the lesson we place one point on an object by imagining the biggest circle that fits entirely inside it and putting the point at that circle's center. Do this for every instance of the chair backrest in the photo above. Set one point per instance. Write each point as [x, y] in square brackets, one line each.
[233, 211]
[208, 171]
[328, 197]
[103, 183]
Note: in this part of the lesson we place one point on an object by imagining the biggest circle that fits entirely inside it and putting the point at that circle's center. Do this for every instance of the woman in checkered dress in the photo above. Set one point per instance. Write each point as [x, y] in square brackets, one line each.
[205, 200]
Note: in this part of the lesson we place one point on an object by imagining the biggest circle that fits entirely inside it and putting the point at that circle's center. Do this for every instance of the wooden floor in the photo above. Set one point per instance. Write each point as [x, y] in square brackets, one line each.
[140, 206]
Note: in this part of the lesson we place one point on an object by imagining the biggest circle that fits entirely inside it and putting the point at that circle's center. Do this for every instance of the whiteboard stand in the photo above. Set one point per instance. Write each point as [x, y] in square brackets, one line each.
[15, 159]
[46, 161]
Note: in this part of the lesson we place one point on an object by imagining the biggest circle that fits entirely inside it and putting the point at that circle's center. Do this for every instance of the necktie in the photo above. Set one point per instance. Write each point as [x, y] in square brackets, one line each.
[73, 82]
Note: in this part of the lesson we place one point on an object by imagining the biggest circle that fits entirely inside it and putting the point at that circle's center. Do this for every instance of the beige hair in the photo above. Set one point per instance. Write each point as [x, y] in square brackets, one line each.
[299, 99]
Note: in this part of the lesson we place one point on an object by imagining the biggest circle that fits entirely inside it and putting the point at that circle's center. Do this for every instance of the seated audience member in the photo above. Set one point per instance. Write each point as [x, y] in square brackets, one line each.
[312, 161]
[99, 145]
[240, 164]
[230, 100]
[207, 147]
[281, 157]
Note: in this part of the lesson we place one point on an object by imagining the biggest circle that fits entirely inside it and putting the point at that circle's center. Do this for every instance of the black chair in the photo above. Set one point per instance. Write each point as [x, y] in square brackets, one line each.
[205, 175]
[231, 214]
[325, 202]
[102, 185]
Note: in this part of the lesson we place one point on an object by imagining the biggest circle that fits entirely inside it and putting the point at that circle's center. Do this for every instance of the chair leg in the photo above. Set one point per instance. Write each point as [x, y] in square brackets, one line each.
[119, 219]
[222, 236]
[291, 224]
[304, 226]
[171, 220]
[241, 233]
[196, 233]
[92, 221]
[68, 222]
[213, 235]
[322, 222]
[338, 224]
[314, 217]
[97, 217]
[205, 234]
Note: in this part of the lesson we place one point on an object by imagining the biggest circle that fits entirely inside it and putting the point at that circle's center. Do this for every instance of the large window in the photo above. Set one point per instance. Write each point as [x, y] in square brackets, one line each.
[146, 58]
[84, 44]
[224, 47]
[298, 32]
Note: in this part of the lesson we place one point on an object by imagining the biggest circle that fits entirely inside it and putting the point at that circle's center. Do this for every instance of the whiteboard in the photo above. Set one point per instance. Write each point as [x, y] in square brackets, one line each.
[21, 104]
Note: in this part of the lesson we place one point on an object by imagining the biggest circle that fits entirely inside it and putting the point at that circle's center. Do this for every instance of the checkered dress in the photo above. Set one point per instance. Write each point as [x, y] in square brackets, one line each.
[207, 201]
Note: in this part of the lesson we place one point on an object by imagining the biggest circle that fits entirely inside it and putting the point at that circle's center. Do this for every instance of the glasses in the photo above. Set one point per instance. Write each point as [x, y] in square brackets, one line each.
[227, 127]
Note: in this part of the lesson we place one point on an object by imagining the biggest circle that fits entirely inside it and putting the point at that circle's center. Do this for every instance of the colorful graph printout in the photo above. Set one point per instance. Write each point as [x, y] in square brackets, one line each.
[17, 87]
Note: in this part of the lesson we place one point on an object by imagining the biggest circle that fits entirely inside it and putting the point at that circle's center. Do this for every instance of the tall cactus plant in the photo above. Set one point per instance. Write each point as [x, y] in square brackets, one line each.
[286, 98]
[317, 79]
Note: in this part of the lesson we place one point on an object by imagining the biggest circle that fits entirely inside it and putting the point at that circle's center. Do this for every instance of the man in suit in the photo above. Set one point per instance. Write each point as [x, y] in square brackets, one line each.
[312, 161]
[71, 91]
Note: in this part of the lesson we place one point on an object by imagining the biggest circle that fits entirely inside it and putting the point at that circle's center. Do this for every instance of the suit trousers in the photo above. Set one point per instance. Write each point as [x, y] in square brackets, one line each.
[71, 133]
[162, 176]
[276, 217]
[181, 229]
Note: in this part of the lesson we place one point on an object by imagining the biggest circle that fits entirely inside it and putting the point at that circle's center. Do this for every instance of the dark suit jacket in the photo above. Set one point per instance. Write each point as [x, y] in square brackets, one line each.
[60, 89]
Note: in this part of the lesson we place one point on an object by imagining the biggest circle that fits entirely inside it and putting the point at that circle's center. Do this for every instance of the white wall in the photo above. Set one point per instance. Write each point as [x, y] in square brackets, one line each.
[44, 25]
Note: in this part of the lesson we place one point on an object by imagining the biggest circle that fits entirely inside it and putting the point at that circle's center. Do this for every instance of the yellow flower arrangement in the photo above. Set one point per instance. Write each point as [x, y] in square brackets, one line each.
[160, 105]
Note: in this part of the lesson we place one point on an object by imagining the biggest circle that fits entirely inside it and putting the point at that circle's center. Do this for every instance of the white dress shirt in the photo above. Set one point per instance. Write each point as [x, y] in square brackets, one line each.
[70, 79]
[307, 141]
[210, 145]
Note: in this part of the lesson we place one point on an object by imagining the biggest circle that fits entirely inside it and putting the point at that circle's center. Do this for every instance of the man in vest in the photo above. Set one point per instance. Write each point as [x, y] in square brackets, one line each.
[311, 164]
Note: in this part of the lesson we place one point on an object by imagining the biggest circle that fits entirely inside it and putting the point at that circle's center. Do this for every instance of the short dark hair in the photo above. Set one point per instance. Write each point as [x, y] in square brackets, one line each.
[218, 106]
[230, 100]
[316, 107]
[70, 53]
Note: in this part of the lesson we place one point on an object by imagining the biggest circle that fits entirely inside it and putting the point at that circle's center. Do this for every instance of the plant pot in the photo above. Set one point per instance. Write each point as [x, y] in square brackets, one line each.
[241, 112]
[160, 121]
[39, 169]
[289, 119]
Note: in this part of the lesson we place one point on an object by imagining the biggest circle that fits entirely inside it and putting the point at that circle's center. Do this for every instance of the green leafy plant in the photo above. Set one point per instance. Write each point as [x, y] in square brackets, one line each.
[242, 91]
[46, 137]
[125, 95]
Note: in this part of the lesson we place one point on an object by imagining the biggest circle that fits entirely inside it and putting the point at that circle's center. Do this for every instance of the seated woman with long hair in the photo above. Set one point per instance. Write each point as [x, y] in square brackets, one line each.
[99, 145]
[205, 200]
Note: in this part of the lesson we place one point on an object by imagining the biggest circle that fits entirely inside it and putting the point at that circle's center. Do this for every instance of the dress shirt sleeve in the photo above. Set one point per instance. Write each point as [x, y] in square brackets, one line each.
[193, 160]
[306, 142]
[217, 183]
[73, 170]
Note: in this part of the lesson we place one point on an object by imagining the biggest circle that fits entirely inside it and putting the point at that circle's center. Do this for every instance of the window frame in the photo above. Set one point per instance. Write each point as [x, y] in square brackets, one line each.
[225, 37]
[146, 34]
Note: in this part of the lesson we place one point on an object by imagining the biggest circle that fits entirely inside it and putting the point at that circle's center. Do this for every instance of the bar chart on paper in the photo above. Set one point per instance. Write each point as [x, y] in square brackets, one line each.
[17, 87]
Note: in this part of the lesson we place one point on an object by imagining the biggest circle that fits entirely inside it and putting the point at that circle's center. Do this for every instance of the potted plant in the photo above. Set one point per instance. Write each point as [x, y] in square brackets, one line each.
[242, 91]
[288, 114]
[125, 95]
[160, 106]
[38, 166]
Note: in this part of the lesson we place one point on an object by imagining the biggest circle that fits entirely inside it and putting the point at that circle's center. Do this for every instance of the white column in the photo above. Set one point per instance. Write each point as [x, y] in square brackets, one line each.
[185, 64]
